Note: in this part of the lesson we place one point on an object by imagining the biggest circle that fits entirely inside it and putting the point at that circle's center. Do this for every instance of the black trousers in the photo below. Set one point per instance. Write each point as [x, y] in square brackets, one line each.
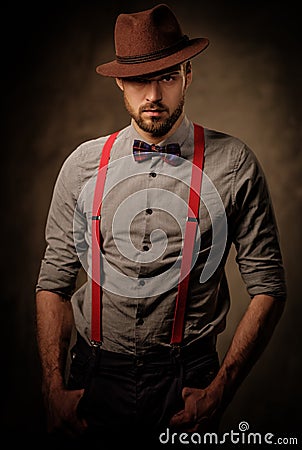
[129, 401]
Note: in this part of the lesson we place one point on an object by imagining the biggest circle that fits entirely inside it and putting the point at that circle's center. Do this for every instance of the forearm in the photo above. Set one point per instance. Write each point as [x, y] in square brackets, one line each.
[250, 339]
[54, 326]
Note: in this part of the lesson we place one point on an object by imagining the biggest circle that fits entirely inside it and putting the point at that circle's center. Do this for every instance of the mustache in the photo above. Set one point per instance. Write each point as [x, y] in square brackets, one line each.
[153, 107]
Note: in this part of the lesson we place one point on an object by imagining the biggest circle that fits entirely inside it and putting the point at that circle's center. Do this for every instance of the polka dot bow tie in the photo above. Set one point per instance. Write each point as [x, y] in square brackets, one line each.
[143, 151]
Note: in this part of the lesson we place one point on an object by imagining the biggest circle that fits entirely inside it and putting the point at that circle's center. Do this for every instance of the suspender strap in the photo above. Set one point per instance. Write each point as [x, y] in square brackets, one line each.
[188, 246]
[190, 235]
[96, 335]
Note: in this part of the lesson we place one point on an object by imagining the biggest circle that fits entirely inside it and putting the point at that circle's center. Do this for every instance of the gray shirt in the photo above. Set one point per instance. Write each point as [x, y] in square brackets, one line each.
[143, 218]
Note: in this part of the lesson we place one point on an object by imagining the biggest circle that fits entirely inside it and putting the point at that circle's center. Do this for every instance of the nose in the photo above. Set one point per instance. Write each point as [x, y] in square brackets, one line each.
[153, 93]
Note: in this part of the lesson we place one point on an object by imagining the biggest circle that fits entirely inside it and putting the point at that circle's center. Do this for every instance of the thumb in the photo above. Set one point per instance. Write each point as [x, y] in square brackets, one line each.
[81, 392]
[182, 417]
[186, 392]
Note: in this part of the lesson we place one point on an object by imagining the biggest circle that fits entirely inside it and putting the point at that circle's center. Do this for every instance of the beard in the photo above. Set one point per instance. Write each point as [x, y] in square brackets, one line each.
[155, 126]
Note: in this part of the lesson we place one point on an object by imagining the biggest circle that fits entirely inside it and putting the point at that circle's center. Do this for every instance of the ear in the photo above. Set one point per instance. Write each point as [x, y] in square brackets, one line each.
[189, 74]
[120, 84]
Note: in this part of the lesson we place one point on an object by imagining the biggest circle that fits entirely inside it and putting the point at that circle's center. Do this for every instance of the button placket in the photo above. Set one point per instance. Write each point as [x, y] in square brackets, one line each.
[148, 212]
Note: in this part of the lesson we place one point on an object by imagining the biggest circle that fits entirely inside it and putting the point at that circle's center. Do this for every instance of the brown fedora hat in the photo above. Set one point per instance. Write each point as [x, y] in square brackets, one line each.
[149, 41]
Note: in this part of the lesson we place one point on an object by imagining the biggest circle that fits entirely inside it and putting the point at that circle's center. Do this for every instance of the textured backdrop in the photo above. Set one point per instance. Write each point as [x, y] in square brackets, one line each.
[247, 83]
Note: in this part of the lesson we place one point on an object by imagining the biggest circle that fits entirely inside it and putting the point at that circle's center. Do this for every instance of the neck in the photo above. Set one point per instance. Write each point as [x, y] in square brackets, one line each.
[156, 139]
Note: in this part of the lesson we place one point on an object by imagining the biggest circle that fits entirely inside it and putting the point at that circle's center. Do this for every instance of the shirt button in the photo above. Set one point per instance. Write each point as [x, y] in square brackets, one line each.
[140, 321]
[149, 211]
[152, 174]
[145, 248]
[141, 283]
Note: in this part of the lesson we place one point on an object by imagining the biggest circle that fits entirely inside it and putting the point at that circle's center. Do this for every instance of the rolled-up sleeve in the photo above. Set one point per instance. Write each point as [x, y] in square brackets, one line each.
[256, 236]
[60, 264]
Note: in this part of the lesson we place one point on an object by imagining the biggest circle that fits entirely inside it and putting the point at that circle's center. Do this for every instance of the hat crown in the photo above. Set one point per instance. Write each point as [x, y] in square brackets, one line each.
[149, 41]
[146, 32]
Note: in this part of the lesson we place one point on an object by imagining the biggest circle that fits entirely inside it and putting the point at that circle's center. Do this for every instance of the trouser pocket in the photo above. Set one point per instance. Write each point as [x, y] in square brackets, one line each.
[201, 371]
[81, 368]
[81, 372]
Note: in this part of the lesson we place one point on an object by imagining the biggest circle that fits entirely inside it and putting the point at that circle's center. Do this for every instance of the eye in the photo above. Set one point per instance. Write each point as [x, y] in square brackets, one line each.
[168, 78]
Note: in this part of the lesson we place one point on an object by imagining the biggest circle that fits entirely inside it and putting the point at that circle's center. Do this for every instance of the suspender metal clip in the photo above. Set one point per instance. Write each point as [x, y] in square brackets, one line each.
[175, 349]
[96, 344]
[192, 219]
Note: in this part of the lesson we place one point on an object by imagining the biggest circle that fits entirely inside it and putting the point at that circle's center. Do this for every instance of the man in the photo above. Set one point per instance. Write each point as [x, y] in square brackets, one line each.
[150, 212]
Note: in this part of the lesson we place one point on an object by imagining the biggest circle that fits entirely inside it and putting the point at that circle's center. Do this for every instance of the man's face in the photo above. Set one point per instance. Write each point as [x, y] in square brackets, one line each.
[156, 102]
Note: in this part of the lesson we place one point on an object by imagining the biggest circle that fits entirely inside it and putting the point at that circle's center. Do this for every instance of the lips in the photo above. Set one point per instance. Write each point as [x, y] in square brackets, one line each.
[152, 111]
[153, 108]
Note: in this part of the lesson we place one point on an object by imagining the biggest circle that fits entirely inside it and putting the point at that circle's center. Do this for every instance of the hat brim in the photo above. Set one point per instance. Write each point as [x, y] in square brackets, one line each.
[119, 70]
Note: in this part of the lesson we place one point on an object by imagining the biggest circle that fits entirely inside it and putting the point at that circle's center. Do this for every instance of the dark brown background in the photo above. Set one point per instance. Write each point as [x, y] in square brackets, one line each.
[247, 83]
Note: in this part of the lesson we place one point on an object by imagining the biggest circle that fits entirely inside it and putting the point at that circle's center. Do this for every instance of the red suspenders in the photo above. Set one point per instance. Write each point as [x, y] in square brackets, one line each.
[190, 234]
[96, 292]
[188, 245]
